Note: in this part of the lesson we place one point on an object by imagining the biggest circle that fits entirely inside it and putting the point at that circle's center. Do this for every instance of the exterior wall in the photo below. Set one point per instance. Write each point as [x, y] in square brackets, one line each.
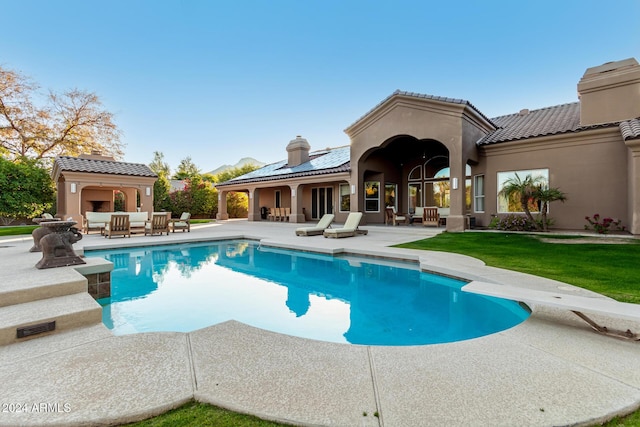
[590, 167]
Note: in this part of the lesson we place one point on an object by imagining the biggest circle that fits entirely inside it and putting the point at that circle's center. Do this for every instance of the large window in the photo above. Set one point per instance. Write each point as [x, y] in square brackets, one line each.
[345, 198]
[372, 196]
[425, 190]
[478, 193]
[512, 204]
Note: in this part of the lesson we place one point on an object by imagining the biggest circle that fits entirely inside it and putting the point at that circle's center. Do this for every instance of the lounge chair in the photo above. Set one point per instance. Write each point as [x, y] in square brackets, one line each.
[118, 225]
[323, 224]
[159, 224]
[183, 223]
[349, 229]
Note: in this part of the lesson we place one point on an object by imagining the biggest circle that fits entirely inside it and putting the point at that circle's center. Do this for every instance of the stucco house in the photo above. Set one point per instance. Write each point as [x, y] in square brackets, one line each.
[414, 150]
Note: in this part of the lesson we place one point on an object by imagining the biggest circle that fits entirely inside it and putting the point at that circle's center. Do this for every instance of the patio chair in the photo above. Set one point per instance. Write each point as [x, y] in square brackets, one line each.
[323, 224]
[431, 217]
[271, 216]
[392, 216]
[118, 225]
[159, 224]
[286, 214]
[349, 229]
[182, 223]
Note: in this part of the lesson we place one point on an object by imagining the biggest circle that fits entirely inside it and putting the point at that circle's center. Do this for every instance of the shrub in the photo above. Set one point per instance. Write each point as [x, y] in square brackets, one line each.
[603, 226]
[513, 223]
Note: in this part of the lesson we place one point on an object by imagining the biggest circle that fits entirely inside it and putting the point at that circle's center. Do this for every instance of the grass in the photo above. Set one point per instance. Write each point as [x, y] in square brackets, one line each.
[608, 269]
[203, 415]
[17, 230]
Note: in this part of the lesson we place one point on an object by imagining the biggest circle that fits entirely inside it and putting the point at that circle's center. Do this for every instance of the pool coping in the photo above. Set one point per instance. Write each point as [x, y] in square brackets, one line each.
[550, 370]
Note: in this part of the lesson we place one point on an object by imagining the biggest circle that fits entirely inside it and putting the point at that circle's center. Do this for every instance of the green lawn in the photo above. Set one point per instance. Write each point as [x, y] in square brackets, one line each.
[610, 269]
[17, 230]
[203, 415]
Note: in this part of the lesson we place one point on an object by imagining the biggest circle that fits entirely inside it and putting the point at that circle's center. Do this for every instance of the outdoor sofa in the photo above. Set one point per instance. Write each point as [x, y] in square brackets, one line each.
[98, 220]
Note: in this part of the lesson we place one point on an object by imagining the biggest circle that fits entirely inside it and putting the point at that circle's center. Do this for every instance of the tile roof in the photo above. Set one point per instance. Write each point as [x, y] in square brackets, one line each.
[110, 167]
[630, 129]
[331, 160]
[564, 118]
[422, 96]
[545, 121]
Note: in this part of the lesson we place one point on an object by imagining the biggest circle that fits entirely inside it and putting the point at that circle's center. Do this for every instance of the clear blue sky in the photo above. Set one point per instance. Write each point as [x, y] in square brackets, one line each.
[219, 81]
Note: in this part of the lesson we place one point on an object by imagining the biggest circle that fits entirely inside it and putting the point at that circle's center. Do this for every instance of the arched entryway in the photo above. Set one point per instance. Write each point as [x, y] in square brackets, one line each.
[406, 173]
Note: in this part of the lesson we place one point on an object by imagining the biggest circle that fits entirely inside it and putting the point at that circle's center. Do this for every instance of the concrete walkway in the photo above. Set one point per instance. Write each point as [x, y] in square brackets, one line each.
[550, 370]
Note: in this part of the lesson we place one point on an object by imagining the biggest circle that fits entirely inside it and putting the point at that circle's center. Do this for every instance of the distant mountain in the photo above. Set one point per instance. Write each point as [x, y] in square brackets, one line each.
[242, 162]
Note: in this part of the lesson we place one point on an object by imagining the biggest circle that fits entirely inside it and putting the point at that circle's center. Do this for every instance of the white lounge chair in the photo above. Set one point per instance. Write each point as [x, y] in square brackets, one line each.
[323, 224]
[349, 229]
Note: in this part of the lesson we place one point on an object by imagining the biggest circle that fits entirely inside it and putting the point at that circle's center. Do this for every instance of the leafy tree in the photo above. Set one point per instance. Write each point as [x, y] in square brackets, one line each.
[162, 186]
[161, 190]
[159, 166]
[70, 123]
[237, 205]
[204, 200]
[186, 169]
[26, 190]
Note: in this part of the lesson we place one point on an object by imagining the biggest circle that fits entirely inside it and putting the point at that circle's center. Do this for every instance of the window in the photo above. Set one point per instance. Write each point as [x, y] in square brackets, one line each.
[415, 196]
[513, 203]
[478, 193]
[277, 197]
[321, 201]
[345, 198]
[390, 191]
[372, 196]
[416, 173]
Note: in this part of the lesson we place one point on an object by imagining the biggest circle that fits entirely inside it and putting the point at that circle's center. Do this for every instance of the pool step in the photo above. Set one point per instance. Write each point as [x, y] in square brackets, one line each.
[26, 292]
[35, 319]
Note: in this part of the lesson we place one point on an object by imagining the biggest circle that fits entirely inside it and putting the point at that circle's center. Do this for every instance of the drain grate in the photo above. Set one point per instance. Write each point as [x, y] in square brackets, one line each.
[40, 328]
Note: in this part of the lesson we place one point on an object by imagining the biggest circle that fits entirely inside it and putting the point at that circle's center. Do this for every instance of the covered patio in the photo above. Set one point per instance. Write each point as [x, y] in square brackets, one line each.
[91, 182]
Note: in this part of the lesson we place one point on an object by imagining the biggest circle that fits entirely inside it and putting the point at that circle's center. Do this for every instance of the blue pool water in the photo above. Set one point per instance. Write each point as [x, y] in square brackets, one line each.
[339, 299]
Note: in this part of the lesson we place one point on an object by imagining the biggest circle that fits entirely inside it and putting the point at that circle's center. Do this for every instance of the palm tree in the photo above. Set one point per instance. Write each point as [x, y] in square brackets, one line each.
[545, 196]
[525, 189]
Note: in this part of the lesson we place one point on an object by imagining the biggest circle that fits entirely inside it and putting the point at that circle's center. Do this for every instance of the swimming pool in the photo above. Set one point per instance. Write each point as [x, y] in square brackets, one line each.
[342, 299]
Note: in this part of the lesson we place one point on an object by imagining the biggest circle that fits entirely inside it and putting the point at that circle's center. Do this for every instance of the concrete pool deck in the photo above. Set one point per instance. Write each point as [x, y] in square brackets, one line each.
[550, 370]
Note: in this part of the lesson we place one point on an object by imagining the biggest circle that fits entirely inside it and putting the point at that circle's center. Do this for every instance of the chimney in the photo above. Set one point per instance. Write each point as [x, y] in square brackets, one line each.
[298, 150]
[610, 93]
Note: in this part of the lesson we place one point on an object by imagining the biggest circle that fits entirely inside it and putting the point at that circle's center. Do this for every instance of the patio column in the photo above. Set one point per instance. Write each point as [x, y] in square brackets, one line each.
[296, 204]
[457, 182]
[146, 199]
[130, 196]
[222, 205]
[71, 208]
[254, 204]
[634, 185]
